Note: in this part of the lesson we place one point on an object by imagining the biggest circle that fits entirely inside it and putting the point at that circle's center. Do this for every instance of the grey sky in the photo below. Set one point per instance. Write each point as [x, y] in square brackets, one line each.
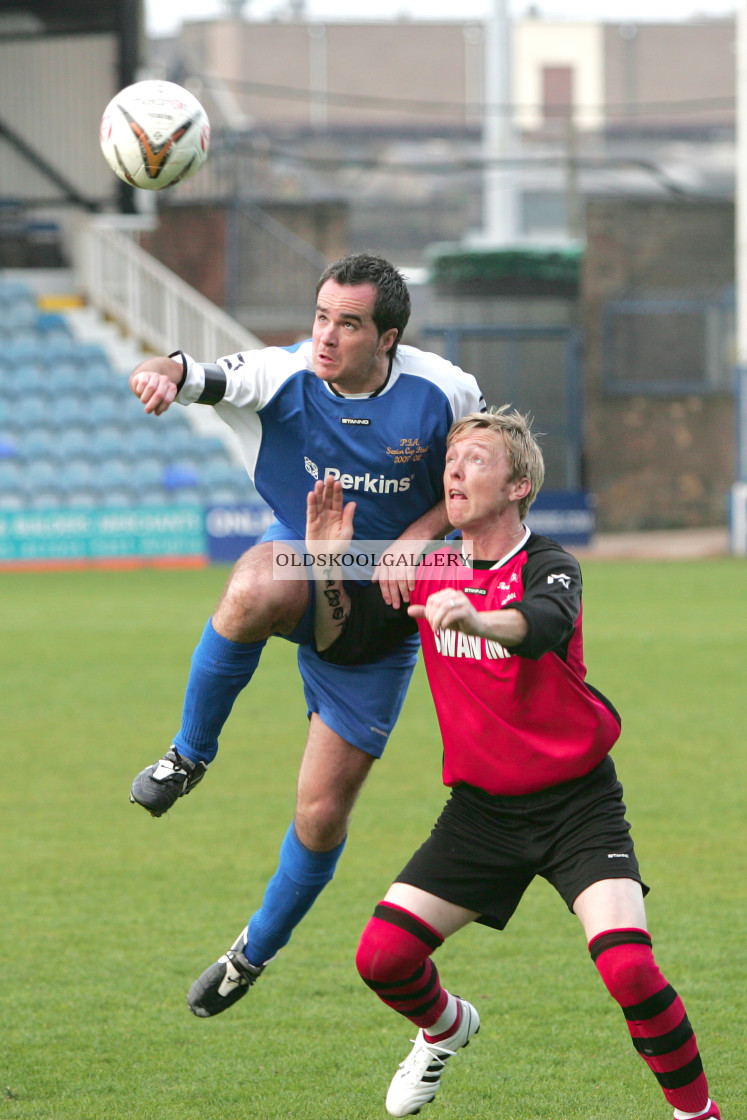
[164, 16]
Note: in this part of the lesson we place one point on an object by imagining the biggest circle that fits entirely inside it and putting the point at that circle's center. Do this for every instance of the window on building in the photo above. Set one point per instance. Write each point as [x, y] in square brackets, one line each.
[557, 94]
[669, 344]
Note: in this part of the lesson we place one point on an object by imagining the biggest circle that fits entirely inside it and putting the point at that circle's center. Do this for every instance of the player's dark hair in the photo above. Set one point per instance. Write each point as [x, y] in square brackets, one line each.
[392, 307]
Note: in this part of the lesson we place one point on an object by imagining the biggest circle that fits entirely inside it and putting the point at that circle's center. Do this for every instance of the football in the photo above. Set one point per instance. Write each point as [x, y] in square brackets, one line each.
[154, 134]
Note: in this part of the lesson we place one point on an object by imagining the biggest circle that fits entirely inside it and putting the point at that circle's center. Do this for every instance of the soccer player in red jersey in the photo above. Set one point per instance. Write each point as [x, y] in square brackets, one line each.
[526, 753]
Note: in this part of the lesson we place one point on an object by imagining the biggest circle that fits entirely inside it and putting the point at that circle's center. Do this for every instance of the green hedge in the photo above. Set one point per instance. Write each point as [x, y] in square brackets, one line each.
[506, 269]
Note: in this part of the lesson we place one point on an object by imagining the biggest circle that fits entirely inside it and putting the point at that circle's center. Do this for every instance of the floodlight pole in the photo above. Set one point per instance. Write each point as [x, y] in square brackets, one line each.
[739, 489]
[500, 217]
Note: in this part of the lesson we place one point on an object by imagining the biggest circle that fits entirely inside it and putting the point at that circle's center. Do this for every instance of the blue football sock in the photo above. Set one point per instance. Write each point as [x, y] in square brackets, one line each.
[220, 669]
[301, 876]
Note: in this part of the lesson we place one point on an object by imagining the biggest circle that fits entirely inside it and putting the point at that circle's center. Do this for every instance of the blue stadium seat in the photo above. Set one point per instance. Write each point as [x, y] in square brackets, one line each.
[57, 348]
[218, 472]
[52, 326]
[20, 311]
[211, 447]
[65, 377]
[102, 409]
[145, 439]
[116, 498]
[41, 475]
[154, 497]
[37, 443]
[187, 496]
[115, 473]
[11, 389]
[30, 380]
[82, 499]
[13, 289]
[22, 348]
[223, 473]
[179, 440]
[9, 443]
[109, 441]
[12, 499]
[11, 474]
[180, 475]
[31, 411]
[71, 442]
[146, 475]
[67, 411]
[86, 351]
[98, 376]
[132, 413]
[79, 474]
[47, 499]
[220, 496]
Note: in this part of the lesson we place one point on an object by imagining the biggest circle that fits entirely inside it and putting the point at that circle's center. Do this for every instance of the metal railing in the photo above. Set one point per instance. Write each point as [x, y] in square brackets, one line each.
[150, 302]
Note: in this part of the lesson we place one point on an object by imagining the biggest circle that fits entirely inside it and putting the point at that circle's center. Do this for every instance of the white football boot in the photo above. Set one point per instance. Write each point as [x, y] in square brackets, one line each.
[417, 1080]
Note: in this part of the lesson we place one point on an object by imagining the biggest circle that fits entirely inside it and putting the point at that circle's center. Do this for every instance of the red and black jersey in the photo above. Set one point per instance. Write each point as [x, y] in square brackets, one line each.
[512, 721]
[519, 720]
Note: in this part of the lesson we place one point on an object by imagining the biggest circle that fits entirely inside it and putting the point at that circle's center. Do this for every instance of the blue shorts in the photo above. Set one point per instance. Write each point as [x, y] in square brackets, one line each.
[361, 703]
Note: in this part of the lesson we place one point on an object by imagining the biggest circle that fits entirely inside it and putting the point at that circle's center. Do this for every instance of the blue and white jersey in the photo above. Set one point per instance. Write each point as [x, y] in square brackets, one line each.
[387, 450]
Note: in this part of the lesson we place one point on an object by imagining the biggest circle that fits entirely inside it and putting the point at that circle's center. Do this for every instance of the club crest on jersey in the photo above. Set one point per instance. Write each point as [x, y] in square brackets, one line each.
[409, 451]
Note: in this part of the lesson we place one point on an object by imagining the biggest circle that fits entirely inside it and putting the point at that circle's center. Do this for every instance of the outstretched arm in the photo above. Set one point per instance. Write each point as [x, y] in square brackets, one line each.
[451, 609]
[347, 631]
[396, 582]
[328, 519]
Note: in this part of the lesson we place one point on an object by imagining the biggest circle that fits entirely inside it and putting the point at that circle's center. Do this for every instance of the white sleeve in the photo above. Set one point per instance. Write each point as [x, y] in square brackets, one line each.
[467, 396]
[459, 387]
[248, 379]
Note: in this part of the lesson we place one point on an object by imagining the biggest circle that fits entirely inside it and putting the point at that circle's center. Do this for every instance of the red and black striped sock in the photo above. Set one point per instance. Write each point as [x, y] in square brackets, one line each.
[393, 959]
[655, 1015]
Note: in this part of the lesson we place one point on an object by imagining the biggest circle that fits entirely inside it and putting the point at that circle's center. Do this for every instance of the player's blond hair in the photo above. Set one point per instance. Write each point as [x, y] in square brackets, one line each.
[524, 453]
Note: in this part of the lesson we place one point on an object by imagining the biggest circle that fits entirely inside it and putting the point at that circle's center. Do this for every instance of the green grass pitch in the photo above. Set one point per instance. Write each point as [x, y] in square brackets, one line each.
[107, 915]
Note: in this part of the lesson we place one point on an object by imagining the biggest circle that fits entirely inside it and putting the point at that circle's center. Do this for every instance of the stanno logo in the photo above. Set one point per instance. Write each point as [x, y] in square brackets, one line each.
[617, 855]
[474, 591]
[312, 468]
[353, 420]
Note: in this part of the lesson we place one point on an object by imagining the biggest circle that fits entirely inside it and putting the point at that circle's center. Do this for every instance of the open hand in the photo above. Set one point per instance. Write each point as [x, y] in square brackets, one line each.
[328, 518]
[396, 577]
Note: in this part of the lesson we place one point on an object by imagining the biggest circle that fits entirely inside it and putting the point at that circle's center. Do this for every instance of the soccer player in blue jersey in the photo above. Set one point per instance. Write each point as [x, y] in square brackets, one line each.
[351, 403]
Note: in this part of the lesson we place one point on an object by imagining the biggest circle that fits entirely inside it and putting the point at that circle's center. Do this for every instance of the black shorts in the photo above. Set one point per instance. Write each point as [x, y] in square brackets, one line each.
[485, 850]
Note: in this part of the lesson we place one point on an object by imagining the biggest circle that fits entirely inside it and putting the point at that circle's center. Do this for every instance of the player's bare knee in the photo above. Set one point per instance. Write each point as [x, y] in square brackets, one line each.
[254, 604]
[321, 824]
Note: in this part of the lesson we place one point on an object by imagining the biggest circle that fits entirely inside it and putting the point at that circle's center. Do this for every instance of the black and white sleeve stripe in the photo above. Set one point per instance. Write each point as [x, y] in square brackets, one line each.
[215, 385]
[200, 384]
